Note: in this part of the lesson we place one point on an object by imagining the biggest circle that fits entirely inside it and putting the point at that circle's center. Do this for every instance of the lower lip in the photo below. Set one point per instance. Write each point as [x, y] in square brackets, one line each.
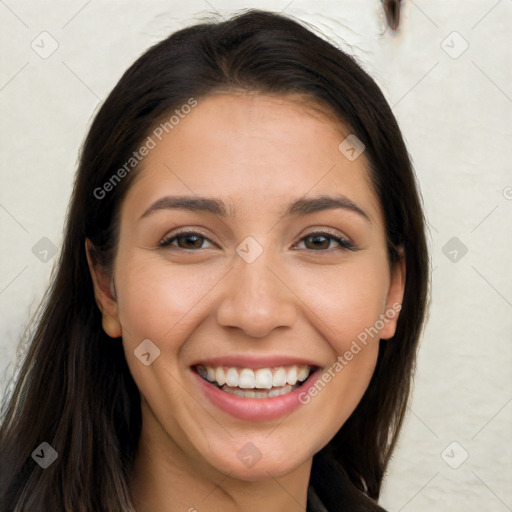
[256, 409]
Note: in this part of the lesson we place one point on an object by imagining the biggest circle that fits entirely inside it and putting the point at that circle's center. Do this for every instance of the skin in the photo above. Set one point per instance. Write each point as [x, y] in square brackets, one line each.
[258, 153]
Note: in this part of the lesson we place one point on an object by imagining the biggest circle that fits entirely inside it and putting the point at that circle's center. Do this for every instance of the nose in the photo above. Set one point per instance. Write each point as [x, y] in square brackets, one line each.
[257, 298]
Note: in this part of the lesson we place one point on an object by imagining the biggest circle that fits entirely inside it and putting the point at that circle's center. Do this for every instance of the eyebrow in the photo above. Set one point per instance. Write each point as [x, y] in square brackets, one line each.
[302, 206]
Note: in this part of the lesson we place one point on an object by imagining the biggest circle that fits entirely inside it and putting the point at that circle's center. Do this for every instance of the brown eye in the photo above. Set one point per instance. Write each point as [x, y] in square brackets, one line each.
[321, 242]
[189, 241]
[318, 241]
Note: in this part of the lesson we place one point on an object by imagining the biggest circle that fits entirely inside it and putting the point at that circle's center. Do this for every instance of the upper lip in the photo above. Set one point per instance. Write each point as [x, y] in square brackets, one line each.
[252, 361]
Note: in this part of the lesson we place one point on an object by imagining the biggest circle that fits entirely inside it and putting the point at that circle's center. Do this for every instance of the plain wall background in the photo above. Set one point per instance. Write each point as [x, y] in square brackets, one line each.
[454, 106]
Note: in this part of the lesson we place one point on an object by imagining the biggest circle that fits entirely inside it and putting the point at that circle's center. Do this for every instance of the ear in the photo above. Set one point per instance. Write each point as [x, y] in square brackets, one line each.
[394, 298]
[104, 293]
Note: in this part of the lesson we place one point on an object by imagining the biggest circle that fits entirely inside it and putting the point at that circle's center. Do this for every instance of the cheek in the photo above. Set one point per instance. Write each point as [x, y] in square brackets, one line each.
[345, 306]
[348, 301]
[157, 301]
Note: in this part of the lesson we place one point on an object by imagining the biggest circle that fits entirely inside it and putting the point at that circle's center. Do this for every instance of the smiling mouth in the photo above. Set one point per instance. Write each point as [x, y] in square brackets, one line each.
[256, 383]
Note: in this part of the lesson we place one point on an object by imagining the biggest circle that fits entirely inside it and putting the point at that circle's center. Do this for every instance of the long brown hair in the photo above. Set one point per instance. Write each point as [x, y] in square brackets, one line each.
[74, 390]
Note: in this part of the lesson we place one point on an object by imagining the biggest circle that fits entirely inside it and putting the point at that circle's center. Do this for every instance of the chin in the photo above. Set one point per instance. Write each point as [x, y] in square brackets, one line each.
[252, 464]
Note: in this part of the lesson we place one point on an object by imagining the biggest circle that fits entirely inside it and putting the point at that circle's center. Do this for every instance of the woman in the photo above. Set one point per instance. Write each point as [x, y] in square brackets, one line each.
[235, 315]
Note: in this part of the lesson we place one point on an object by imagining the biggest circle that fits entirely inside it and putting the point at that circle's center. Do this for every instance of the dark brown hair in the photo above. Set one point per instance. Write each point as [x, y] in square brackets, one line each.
[74, 389]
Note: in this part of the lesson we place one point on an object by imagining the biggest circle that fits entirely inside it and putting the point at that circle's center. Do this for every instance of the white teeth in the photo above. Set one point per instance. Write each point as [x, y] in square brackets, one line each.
[246, 379]
[279, 378]
[210, 373]
[291, 376]
[262, 378]
[278, 392]
[258, 394]
[232, 378]
[220, 376]
[303, 373]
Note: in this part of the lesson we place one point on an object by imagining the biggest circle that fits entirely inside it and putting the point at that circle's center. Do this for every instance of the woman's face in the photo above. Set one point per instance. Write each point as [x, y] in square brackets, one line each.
[250, 285]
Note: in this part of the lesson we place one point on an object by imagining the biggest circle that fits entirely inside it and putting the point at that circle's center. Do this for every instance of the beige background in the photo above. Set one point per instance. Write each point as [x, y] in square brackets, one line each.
[454, 105]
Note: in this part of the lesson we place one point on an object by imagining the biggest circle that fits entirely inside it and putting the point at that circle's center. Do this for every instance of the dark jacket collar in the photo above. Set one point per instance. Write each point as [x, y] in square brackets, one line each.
[314, 502]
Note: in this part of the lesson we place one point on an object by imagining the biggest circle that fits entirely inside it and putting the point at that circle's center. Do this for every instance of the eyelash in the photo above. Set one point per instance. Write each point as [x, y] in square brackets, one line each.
[343, 242]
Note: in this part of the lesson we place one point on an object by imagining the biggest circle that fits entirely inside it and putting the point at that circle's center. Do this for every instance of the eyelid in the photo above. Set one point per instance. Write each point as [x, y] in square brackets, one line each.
[184, 231]
[343, 241]
[327, 231]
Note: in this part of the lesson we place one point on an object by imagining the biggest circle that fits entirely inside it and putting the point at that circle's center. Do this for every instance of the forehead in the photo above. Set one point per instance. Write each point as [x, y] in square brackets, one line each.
[257, 152]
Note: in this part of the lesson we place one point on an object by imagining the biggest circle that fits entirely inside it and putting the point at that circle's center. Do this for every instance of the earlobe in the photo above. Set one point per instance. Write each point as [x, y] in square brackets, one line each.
[104, 293]
[111, 326]
[394, 298]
